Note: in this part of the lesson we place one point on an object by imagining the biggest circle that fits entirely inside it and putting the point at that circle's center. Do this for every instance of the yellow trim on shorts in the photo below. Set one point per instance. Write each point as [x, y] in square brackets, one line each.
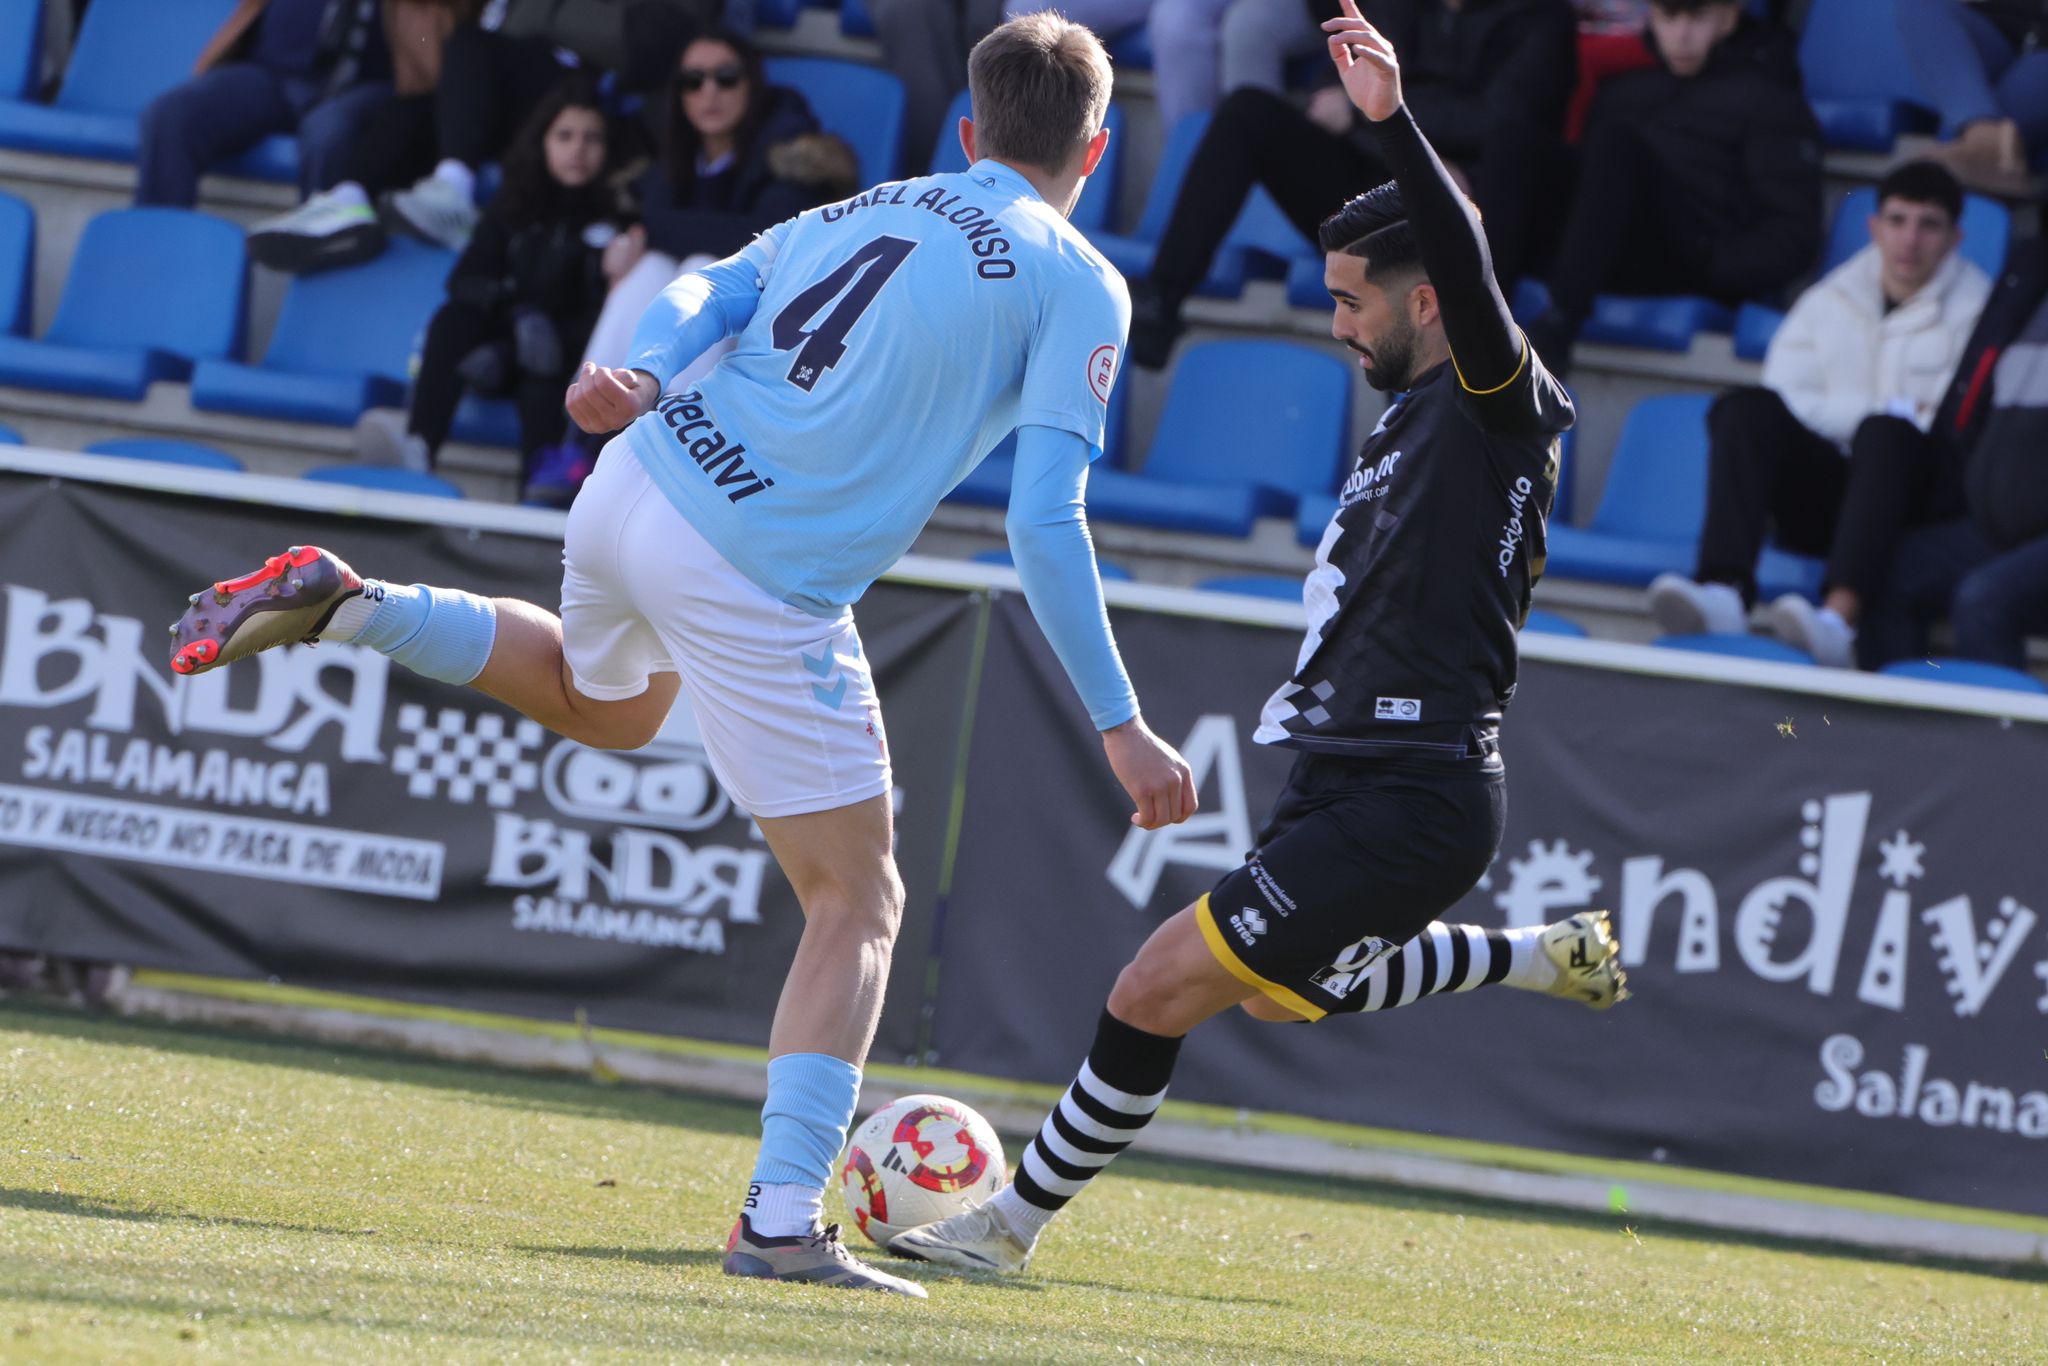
[1235, 966]
[1520, 365]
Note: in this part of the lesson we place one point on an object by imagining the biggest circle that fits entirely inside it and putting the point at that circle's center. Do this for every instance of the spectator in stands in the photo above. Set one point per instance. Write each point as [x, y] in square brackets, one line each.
[496, 70]
[523, 296]
[1857, 369]
[737, 156]
[925, 42]
[1986, 564]
[315, 67]
[394, 144]
[1982, 67]
[1698, 175]
[1487, 81]
[1204, 49]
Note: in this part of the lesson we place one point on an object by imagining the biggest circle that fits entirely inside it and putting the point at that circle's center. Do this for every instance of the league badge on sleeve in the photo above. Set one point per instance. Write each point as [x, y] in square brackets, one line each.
[1102, 371]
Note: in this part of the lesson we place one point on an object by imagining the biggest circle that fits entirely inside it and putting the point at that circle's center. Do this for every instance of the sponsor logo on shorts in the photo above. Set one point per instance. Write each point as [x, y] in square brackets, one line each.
[1102, 371]
[1249, 924]
[1268, 887]
[724, 460]
[1340, 978]
[1397, 709]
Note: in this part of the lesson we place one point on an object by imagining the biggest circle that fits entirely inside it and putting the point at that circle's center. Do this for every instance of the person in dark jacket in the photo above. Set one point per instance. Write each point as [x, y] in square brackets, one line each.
[1488, 81]
[1700, 174]
[1985, 564]
[737, 156]
[525, 292]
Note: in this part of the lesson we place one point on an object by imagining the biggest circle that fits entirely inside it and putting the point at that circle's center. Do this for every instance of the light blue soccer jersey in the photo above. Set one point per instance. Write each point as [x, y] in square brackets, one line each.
[899, 336]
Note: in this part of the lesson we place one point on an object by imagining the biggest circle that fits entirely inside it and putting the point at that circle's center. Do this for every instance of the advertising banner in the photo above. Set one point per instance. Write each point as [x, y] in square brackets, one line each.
[322, 816]
[1828, 909]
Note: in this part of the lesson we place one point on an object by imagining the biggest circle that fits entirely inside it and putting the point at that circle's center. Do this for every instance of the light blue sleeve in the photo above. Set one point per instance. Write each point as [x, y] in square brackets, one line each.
[698, 310]
[1048, 529]
[1075, 350]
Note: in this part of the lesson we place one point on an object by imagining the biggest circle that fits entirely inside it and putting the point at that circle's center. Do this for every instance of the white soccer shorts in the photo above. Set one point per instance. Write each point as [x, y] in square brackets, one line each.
[785, 701]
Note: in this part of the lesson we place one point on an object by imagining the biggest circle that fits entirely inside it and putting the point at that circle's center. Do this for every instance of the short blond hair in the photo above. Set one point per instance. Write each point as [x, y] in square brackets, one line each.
[1041, 90]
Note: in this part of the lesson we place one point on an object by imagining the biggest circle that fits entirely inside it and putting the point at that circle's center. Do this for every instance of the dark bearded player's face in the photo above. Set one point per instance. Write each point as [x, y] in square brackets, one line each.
[1372, 322]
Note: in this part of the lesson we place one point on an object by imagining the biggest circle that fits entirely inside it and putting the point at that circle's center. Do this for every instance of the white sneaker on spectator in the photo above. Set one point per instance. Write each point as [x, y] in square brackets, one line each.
[333, 228]
[433, 210]
[1820, 631]
[1685, 608]
[382, 439]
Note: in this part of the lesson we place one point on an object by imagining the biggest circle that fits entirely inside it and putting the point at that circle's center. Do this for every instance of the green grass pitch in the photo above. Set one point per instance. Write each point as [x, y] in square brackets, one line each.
[182, 1195]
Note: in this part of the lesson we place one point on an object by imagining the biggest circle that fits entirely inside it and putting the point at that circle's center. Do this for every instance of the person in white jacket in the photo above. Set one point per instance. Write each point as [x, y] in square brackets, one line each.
[1831, 451]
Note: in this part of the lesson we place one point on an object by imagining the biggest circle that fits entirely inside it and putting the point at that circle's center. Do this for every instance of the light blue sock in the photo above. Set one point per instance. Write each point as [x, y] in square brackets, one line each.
[803, 1123]
[442, 633]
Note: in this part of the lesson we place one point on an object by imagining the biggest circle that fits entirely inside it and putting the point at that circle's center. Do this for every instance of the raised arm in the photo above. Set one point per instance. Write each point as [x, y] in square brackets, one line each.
[1486, 346]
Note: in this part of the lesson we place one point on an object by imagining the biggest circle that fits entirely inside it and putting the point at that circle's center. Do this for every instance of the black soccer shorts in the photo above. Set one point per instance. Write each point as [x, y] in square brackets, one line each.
[1356, 860]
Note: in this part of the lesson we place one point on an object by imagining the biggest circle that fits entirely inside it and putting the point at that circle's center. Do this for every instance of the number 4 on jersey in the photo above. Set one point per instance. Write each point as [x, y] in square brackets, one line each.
[824, 345]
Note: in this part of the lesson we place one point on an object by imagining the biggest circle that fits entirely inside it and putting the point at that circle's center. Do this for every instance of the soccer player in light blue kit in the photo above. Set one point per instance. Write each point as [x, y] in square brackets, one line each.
[883, 346]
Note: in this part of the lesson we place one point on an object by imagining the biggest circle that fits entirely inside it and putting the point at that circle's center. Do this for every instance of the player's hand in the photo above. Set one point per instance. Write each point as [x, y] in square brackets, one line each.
[604, 400]
[1158, 780]
[1365, 63]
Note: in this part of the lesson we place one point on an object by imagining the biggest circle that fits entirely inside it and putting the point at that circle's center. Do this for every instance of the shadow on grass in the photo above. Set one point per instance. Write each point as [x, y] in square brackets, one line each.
[85, 1207]
[1328, 1189]
[555, 1093]
[680, 1257]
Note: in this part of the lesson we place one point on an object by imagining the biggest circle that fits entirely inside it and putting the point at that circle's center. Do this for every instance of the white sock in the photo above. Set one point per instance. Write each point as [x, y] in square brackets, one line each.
[354, 613]
[1025, 1219]
[1531, 968]
[456, 173]
[349, 195]
[782, 1209]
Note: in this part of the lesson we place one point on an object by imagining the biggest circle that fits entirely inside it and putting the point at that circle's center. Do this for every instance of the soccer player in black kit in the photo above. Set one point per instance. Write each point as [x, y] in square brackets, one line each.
[1395, 806]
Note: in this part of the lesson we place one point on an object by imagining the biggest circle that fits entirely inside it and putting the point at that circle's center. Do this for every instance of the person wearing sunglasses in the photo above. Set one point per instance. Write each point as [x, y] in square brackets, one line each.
[736, 156]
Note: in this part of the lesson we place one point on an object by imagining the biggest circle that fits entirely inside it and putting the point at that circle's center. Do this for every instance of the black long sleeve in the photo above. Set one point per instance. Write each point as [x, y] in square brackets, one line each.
[1486, 345]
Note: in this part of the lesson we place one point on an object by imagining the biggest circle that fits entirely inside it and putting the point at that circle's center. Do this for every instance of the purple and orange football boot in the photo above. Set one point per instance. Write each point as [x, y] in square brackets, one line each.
[288, 601]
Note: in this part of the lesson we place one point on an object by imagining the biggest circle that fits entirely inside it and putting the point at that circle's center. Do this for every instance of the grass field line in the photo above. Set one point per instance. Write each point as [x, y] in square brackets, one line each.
[1267, 1142]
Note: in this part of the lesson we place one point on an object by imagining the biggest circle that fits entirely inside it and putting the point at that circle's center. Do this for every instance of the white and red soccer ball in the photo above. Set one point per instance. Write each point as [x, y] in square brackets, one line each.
[916, 1160]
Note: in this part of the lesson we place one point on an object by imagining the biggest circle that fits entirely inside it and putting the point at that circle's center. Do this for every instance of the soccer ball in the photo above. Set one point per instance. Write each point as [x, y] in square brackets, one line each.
[919, 1159]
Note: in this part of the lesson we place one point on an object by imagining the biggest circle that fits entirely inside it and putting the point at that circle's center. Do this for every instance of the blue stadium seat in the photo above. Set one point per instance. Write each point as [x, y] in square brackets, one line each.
[150, 291]
[1097, 209]
[862, 104]
[1110, 570]
[1312, 518]
[384, 478]
[1248, 429]
[777, 13]
[128, 52]
[1653, 322]
[1130, 50]
[1859, 77]
[1551, 624]
[485, 421]
[1650, 511]
[1738, 647]
[1255, 586]
[168, 453]
[1971, 672]
[1261, 240]
[21, 49]
[342, 341]
[10, 437]
[854, 19]
[1987, 231]
[17, 263]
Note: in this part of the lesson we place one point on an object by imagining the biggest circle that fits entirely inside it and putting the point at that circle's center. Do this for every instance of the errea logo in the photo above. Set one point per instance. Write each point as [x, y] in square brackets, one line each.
[1397, 709]
[1248, 923]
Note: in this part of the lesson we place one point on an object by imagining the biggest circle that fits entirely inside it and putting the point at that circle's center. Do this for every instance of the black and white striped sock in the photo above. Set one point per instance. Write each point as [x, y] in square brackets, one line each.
[1449, 958]
[1109, 1104]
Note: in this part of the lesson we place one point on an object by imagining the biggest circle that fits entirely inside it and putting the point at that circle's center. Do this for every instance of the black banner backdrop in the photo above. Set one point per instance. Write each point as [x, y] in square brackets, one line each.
[323, 817]
[1827, 905]
[1826, 908]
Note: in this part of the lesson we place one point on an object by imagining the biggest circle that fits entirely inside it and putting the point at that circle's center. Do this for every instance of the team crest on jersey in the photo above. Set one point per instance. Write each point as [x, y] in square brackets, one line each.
[1102, 371]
